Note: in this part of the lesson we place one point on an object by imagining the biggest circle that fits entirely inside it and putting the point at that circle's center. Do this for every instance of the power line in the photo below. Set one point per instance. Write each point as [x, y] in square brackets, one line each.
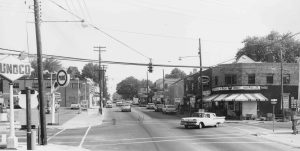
[96, 61]
[105, 33]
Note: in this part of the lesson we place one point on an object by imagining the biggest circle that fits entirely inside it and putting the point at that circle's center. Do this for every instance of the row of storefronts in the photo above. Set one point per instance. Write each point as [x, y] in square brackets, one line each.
[242, 89]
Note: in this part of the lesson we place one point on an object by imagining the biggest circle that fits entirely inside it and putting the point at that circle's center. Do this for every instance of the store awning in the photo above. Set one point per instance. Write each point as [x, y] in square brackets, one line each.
[210, 98]
[236, 97]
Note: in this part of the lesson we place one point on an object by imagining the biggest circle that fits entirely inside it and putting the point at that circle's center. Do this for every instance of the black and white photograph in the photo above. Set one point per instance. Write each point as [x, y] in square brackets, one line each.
[150, 75]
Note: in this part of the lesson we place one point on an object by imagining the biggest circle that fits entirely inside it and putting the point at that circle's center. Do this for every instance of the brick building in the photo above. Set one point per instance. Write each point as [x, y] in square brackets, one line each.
[245, 89]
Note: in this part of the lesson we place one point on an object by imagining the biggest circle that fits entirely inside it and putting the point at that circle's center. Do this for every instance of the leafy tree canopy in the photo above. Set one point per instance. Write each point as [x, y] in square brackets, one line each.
[267, 48]
[176, 73]
[73, 71]
[49, 64]
[91, 71]
[129, 87]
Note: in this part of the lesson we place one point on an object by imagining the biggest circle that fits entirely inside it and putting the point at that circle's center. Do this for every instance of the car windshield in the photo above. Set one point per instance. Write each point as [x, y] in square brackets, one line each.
[198, 115]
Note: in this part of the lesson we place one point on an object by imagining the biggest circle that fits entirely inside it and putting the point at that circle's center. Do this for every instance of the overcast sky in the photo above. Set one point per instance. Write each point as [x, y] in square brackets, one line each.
[159, 29]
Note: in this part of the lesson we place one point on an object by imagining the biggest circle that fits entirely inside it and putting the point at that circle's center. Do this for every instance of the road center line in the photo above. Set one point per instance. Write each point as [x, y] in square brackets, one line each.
[55, 134]
[83, 138]
[169, 140]
[166, 137]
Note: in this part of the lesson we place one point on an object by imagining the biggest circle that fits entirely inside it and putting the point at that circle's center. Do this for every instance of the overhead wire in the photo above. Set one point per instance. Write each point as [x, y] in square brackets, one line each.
[105, 33]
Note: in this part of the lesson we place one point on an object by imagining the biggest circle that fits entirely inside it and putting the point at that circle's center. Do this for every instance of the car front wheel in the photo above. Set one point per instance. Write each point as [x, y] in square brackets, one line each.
[200, 125]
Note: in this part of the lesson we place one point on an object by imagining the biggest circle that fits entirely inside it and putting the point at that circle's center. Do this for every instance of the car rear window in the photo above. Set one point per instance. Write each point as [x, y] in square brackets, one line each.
[170, 106]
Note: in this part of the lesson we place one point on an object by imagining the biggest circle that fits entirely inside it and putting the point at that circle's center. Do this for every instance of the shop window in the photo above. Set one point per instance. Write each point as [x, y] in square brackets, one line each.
[269, 78]
[16, 85]
[286, 78]
[35, 85]
[251, 79]
[230, 79]
[216, 80]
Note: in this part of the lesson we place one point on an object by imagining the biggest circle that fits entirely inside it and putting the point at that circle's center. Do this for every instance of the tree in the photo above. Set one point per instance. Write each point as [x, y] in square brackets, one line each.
[50, 64]
[91, 71]
[267, 48]
[128, 87]
[73, 71]
[176, 73]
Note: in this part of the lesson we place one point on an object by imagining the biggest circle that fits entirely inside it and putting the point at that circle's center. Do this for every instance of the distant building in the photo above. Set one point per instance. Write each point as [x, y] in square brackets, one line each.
[68, 95]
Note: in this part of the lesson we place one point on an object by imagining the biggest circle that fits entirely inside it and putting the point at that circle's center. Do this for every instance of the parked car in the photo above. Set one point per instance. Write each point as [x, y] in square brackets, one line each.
[150, 106]
[109, 105]
[169, 109]
[158, 107]
[119, 103]
[126, 108]
[202, 119]
[74, 106]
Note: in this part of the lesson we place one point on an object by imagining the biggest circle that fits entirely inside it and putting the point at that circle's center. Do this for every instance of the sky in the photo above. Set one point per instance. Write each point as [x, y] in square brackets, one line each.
[162, 30]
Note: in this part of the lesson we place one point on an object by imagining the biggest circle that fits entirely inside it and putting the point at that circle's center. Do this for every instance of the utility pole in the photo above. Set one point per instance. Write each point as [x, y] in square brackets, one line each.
[40, 73]
[103, 80]
[147, 89]
[281, 86]
[200, 72]
[164, 87]
[99, 49]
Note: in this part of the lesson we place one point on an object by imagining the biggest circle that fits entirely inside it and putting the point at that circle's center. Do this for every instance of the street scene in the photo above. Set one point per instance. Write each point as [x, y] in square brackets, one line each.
[142, 75]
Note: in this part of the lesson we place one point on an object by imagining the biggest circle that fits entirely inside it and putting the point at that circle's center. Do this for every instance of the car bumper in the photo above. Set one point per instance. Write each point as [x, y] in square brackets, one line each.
[189, 123]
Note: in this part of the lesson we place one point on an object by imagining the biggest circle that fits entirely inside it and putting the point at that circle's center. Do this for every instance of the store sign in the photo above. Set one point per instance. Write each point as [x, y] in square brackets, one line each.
[206, 93]
[285, 100]
[239, 88]
[12, 68]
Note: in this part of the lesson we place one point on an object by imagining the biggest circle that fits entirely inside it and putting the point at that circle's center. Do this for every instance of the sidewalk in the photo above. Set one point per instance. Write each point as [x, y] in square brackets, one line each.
[280, 135]
[84, 119]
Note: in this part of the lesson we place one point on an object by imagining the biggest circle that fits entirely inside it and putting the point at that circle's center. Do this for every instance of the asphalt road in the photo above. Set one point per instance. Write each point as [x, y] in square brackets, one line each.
[146, 130]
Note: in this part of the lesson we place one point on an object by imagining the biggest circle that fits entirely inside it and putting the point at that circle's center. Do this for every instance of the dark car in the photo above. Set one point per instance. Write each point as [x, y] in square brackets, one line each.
[158, 107]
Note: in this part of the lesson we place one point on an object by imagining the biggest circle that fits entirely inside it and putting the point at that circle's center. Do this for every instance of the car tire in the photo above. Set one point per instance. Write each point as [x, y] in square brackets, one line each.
[200, 126]
[217, 125]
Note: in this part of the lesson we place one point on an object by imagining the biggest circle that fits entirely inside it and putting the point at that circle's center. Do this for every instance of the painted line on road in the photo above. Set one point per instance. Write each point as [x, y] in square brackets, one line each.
[168, 140]
[166, 137]
[83, 138]
[233, 143]
[55, 134]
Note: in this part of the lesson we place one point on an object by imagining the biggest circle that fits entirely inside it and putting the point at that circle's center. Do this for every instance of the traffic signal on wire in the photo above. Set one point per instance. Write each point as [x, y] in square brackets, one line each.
[150, 67]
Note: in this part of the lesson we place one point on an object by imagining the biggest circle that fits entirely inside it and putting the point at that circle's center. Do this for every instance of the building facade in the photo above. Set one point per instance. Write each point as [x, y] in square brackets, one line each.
[74, 92]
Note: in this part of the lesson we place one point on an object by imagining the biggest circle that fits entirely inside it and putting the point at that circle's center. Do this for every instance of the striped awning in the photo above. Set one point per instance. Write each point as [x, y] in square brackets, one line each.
[210, 98]
[236, 97]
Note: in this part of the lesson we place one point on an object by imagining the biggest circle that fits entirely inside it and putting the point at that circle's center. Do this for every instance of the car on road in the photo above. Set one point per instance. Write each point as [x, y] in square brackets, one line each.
[158, 107]
[169, 109]
[109, 105]
[119, 103]
[74, 106]
[150, 106]
[202, 119]
[126, 107]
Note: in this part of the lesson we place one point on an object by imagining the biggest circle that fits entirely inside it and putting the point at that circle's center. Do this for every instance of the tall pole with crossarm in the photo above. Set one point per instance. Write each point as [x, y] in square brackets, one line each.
[37, 20]
[99, 49]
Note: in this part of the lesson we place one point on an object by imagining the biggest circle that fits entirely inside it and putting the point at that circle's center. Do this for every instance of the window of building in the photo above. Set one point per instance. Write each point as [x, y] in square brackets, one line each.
[230, 79]
[16, 85]
[251, 79]
[286, 78]
[1, 85]
[166, 86]
[270, 78]
[35, 85]
[216, 80]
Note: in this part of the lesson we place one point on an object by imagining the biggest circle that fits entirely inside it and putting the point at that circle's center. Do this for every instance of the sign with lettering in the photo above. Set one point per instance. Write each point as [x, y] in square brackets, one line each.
[239, 88]
[286, 100]
[13, 68]
[63, 78]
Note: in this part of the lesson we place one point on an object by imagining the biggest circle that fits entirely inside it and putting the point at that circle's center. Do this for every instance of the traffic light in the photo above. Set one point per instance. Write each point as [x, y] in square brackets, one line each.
[150, 67]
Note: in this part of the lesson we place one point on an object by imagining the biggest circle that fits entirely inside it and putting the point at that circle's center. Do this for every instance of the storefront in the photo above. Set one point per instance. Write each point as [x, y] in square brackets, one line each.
[235, 105]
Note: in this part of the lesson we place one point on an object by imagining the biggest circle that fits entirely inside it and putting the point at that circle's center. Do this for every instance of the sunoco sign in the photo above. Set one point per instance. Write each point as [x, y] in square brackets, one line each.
[12, 68]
